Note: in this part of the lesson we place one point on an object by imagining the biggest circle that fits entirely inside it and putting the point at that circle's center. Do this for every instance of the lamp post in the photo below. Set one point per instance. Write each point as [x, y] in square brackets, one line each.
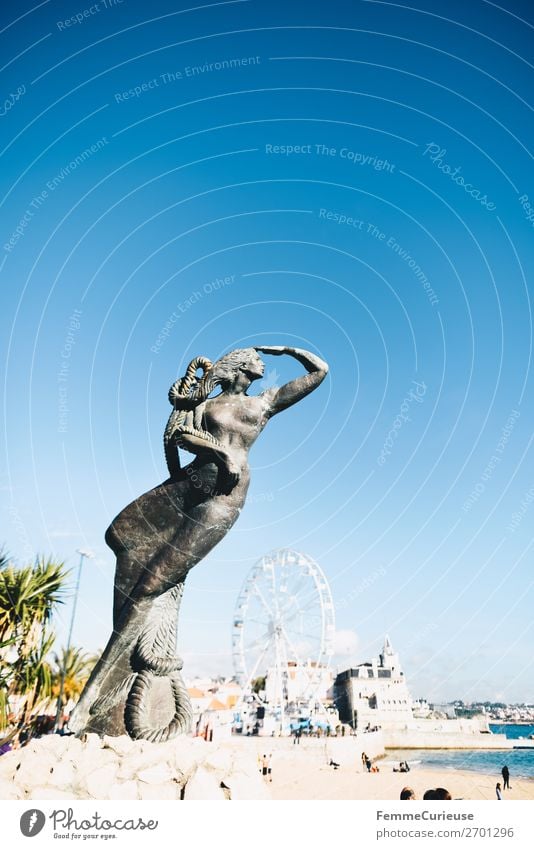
[59, 710]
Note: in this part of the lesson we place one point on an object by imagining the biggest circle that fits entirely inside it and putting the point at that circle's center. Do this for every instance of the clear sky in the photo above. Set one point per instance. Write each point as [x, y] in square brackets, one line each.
[352, 178]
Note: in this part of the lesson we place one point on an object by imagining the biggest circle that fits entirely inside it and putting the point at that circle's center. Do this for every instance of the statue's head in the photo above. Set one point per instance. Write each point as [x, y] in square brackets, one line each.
[227, 369]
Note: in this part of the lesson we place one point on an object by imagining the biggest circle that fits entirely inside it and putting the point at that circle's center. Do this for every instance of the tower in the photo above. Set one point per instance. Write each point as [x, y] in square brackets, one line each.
[389, 659]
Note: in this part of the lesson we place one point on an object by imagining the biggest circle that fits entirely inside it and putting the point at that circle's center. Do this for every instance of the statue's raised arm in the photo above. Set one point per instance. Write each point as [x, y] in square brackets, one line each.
[280, 398]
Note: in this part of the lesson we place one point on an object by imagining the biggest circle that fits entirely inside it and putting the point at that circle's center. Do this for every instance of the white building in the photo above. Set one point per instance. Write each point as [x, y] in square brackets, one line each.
[296, 682]
[374, 694]
[213, 703]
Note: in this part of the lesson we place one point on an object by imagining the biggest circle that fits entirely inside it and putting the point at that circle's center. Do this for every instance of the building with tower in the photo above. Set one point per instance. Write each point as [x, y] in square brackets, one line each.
[374, 694]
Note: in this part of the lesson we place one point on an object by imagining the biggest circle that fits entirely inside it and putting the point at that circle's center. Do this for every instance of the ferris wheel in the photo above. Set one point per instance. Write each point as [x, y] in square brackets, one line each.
[283, 626]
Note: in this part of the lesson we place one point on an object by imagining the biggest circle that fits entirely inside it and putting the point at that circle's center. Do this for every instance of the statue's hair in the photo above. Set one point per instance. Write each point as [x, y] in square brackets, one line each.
[224, 369]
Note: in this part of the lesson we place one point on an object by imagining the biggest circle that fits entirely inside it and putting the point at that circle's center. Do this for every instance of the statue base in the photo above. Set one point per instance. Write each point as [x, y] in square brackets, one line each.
[187, 768]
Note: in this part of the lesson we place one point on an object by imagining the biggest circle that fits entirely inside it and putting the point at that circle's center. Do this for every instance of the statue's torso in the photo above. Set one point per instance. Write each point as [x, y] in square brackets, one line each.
[234, 420]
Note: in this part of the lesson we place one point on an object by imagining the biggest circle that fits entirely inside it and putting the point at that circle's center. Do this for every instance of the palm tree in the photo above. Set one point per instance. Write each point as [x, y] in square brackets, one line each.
[76, 666]
[4, 707]
[28, 597]
[32, 681]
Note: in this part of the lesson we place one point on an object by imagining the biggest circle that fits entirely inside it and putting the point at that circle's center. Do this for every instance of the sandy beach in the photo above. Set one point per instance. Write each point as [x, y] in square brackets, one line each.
[298, 773]
[296, 780]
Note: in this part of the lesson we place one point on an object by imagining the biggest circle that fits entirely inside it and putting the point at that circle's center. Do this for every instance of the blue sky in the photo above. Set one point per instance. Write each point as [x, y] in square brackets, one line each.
[354, 179]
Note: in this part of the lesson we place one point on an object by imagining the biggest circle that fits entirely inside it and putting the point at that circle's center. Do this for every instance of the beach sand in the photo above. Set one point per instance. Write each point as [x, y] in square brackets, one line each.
[301, 772]
[301, 778]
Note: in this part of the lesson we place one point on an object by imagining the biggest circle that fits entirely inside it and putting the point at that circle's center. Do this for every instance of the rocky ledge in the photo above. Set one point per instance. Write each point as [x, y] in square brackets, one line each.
[55, 767]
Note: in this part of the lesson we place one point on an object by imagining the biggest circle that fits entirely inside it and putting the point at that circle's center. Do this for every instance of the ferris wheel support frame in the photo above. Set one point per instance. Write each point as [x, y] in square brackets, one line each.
[277, 638]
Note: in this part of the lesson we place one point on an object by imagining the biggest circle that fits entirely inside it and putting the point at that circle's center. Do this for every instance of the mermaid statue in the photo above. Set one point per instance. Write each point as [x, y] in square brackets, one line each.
[136, 687]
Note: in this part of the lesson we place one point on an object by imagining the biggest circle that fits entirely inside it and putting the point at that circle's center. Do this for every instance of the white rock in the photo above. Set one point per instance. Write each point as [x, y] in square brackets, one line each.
[34, 771]
[186, 758]
[50, 793]
[196, 745]
[169, 790]
[124, 790]
[88, 760]
[157, 774]
[245, 787]
[72, 749]
[203, 785]
[146, 747]
[8, 765]
[63, 775]
[55, 767]
[136, 761]
[9, 790]
[220, 759]
[246, 765]
[92, 741]
[37, 754]
[121, 745]
[99, 782]
[53, 743]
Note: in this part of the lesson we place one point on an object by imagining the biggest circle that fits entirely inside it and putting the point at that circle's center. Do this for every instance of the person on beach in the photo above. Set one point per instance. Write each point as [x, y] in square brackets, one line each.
[498, 791]
[368, 763]
[505, 772]
[266, 769]
[437, 794]
[408, 794]
[442, 794]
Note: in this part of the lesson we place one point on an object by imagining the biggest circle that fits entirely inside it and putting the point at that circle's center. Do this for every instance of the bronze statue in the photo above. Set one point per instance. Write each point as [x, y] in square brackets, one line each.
[136, 687]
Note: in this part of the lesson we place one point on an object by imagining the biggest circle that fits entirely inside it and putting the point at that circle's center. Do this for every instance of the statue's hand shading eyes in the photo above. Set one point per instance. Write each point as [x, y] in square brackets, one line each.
[275, 350]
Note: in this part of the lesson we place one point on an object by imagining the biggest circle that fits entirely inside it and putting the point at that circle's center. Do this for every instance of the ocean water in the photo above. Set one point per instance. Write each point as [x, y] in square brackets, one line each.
[520, 761]
[513, 732]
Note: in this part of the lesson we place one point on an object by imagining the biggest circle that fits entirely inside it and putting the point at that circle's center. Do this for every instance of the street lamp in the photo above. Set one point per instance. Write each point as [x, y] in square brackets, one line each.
[59, 710]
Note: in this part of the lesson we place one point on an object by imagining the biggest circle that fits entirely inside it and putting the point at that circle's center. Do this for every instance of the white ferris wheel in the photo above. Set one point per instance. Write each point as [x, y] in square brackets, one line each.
[284, 627]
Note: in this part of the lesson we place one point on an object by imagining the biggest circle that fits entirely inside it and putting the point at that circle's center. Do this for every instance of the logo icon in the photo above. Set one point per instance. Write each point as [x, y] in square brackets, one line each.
[270, 379]
[32, 822]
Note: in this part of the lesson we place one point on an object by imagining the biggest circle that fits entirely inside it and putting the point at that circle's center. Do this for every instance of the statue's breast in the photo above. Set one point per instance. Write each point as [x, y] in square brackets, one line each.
[224, 416]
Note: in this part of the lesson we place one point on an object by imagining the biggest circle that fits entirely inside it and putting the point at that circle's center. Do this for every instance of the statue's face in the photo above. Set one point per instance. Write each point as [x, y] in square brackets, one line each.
[253, 367]
[247, 366]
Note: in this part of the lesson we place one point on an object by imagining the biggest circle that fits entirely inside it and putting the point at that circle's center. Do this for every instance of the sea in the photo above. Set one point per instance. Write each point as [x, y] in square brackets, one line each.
[520, 762]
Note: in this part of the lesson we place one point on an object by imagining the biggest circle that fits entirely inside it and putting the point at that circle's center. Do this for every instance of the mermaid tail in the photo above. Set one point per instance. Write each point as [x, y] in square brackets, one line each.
[137, 680]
